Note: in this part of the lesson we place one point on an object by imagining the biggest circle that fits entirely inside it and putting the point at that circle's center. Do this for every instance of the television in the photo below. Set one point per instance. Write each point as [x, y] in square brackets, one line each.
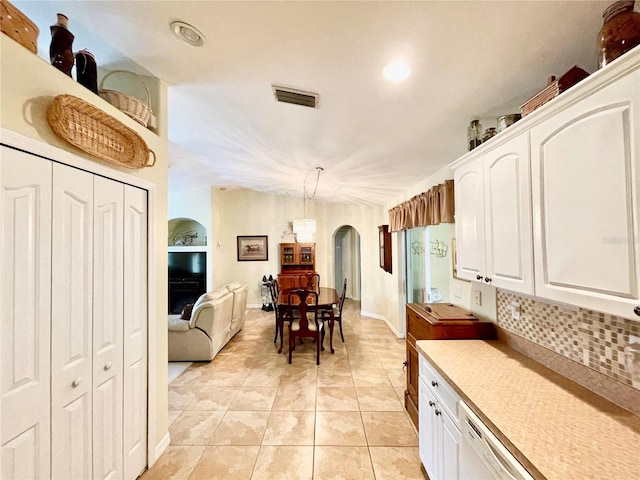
[187, 265]
[187, 278]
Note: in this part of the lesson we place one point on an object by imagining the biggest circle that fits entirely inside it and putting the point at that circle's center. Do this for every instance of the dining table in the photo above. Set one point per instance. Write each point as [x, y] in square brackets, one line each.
[327, 298]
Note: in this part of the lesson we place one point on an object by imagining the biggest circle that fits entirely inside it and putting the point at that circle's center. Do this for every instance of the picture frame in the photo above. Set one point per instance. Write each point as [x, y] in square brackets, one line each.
[253, 248]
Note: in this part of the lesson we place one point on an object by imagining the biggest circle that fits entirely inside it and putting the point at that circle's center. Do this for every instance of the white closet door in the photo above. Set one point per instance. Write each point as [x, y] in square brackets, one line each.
[108, 317]
[135, 331]
[71, 307]
[25, 316]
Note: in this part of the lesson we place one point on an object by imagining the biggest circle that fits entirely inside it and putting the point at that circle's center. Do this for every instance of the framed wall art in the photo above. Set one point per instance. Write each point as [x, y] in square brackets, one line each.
[253, 248]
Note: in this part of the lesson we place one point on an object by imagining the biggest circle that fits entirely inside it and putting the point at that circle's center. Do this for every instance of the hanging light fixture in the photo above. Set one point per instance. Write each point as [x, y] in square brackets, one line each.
[304, 228]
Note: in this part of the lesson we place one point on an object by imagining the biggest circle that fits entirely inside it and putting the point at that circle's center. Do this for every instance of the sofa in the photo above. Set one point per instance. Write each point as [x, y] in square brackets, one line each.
[216, 317]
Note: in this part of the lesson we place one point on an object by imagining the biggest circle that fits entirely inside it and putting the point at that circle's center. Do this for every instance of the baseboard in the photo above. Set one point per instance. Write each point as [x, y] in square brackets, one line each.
[160, 448]
[385, 320]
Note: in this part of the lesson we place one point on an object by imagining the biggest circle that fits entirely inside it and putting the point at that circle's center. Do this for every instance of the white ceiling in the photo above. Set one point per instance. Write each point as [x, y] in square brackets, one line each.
[374, 138]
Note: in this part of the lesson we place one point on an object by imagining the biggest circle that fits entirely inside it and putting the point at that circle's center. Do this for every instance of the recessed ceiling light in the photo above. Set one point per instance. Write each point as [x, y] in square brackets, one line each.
[187, 33]
[396, 71]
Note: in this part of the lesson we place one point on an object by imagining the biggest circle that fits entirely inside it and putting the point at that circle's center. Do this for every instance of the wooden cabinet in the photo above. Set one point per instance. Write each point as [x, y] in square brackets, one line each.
[493, 217]
[586, 200]
[384, 245]
[435, 321]
[295, 259]
[440, 436]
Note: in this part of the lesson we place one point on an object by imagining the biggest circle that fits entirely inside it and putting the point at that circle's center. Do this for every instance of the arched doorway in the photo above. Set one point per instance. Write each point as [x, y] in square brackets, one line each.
[346, 255]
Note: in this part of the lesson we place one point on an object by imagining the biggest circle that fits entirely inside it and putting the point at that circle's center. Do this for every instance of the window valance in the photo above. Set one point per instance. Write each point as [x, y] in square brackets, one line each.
[428, 208]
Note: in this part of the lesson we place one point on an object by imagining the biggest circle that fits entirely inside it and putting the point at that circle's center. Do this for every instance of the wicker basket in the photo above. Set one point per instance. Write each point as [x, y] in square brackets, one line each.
[134, 107]
[98, 133]
[18, 26]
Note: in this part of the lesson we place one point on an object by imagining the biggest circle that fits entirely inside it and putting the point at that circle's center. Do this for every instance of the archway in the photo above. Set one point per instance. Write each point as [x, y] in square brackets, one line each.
[346, 255]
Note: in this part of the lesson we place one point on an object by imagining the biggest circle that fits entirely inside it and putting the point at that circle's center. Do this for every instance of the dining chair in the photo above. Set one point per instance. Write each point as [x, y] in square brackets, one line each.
[310, 281]
[325, 315]
[308, 323]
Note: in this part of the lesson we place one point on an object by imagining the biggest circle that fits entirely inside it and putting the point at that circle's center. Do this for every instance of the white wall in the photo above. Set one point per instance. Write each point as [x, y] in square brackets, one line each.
[27, 87]
[195, 204]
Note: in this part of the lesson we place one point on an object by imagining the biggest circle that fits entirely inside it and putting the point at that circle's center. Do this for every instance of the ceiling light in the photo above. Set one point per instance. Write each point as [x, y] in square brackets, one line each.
[187, 33]
[396, 71]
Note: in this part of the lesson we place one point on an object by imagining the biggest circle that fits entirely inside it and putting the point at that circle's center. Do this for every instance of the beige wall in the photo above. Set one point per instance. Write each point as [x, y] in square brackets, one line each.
[247, 212]
[27, 86]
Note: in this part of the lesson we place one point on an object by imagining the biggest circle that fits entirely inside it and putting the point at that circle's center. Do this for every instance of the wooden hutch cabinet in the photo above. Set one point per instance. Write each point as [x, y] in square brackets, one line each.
[295, 259]
[436, 321]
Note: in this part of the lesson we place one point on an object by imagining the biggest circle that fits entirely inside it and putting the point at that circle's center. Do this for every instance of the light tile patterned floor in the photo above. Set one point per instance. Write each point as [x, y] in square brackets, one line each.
[250, 415]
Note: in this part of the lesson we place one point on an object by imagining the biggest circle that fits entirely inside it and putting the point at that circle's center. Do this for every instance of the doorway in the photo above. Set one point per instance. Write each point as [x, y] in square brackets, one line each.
[346, 254]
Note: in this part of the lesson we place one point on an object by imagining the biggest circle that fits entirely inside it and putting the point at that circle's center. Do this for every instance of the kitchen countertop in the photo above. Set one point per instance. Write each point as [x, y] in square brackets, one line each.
[555, 427]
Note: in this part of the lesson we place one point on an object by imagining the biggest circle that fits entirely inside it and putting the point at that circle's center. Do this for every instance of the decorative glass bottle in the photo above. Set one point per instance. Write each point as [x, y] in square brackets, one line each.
[474, 134]
[60, 50]
[620, 31]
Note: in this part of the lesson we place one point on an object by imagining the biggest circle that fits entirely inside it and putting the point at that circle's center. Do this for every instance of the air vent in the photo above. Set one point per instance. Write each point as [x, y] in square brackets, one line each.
[294, 96]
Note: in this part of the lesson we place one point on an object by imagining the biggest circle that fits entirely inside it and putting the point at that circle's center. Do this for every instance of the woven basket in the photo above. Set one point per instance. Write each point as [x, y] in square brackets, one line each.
[137, 109]
[18, 26]
[98, 133]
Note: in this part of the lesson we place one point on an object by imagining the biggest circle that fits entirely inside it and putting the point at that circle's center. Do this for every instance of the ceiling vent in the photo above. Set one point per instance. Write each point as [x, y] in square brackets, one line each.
[294, 96]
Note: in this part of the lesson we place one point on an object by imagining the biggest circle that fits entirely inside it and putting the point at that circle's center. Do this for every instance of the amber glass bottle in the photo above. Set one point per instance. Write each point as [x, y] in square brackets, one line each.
[620, 31]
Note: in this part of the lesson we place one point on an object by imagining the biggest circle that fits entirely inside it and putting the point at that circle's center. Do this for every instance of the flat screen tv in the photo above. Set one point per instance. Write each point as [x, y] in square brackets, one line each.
[187, 265]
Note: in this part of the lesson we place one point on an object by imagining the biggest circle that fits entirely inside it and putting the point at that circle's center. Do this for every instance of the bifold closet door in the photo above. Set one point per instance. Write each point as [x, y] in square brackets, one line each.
[72, 320]
[25, 315]
[108, 317]
[135, 331]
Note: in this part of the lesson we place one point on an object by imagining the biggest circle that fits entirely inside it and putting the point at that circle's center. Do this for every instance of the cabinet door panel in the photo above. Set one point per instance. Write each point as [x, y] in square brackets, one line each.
[71, 306]
[25, 315]
[450, 457]
[470, 237]
[585, 177]
[135, 331]
[508, 216]
[107, 328]
[429, 432]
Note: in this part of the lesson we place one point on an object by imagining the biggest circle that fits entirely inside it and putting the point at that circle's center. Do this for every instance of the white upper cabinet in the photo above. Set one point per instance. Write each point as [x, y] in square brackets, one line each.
[469, 202]
[586, 182]
[551, 207]
[493, 217]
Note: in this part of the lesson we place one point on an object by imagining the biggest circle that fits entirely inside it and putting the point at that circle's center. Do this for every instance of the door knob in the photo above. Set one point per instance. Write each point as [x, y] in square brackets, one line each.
[487, 279]
[76, 382]
[636, 310]
[431, 404]
[438, 412]
[478, 277]
[107, 366]
[434, 384]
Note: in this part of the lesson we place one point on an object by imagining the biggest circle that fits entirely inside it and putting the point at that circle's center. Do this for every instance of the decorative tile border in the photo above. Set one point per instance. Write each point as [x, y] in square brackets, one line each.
[593, 339]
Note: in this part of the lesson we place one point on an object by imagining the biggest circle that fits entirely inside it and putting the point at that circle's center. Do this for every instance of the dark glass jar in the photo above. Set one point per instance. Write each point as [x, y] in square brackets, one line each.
[60, 50]
[620, 31]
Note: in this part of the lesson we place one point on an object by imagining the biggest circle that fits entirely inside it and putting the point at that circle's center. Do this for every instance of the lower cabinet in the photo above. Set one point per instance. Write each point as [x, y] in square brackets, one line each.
[73, 324]
[440, 437]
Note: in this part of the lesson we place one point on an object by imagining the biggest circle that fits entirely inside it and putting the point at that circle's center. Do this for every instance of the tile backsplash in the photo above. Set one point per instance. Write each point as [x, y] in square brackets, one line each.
[596, 340]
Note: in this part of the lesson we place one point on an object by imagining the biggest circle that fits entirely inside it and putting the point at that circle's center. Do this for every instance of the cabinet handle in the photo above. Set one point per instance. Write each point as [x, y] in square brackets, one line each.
[478, 277]
[431, 404]
[636, 310]
[438, 412]
[434, 383]
[107, 366]
[487, 279]
[76, 382]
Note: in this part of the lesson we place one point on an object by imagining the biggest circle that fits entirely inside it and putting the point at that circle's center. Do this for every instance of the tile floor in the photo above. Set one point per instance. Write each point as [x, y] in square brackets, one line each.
[250, 415]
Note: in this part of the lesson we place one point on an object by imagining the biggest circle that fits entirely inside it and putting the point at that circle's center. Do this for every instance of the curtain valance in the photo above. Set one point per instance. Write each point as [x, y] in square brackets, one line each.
[428, 208]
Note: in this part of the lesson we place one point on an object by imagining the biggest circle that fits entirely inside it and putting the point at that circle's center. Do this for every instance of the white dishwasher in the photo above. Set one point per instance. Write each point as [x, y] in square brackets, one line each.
[483, 457]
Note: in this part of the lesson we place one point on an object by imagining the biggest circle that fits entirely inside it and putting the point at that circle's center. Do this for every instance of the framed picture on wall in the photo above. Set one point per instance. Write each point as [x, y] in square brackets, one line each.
[253, 248]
